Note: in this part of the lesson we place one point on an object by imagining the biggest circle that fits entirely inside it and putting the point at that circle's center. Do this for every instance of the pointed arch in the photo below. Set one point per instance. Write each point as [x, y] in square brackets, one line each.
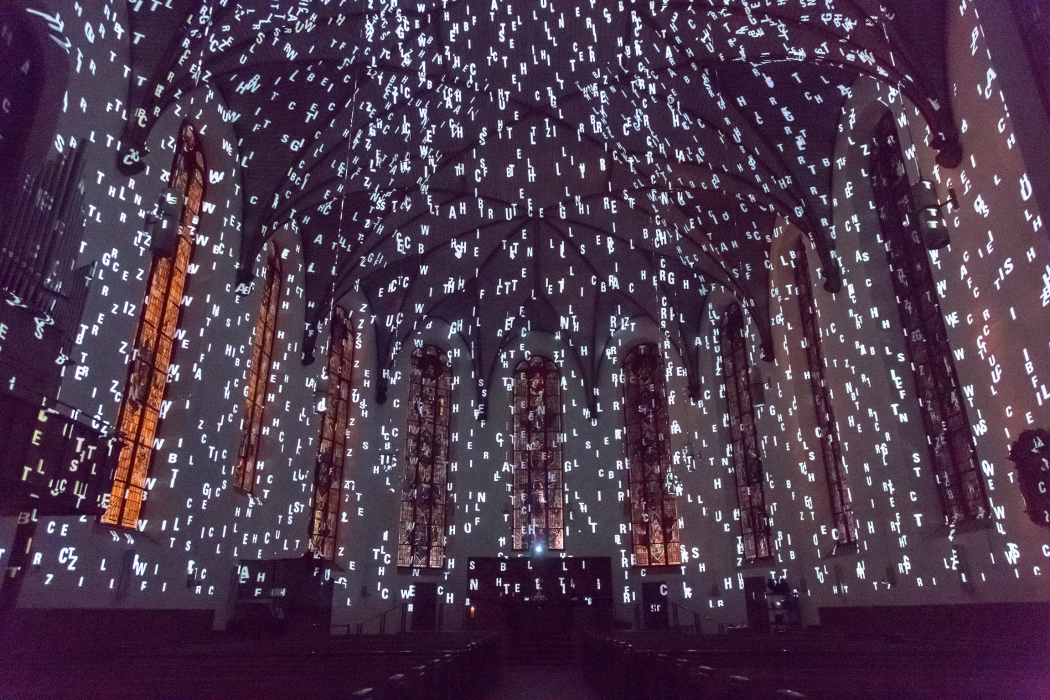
[743, 435]
[332, 442]
[139, 415]
[537, 498]
[654, 510]
[258, 385]
[424, 487]
[845, 530]
[950, 441]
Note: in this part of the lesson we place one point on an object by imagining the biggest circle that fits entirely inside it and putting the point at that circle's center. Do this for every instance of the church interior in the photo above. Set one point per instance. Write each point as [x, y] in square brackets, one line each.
[616, 349]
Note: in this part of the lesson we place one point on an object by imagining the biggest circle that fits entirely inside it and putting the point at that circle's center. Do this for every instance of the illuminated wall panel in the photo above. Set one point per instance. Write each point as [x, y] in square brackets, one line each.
[147, 381]
[830, 449]
[421, 542]
[743, 435]
[332, 442]
[537, 498]
[654, 511]
[256, 391]
[951, 443]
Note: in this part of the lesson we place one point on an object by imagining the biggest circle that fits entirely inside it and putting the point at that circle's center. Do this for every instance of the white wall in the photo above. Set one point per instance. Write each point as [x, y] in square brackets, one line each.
[192, 514]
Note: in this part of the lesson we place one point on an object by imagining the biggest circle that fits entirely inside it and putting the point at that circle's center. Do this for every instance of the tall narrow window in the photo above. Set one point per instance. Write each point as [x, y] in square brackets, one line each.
[331, 448]
[538, 476]
[950, 440]
[147, 378]
[654, 510]
[259, 375]
[743, 436]
[830, 450]
[421, 542]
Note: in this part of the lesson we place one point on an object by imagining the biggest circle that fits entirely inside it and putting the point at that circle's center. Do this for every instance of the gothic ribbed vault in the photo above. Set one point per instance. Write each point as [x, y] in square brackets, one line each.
[534, 166]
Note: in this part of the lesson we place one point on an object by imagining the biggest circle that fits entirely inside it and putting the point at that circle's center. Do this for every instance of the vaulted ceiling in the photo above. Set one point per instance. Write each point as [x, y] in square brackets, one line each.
[534, 164]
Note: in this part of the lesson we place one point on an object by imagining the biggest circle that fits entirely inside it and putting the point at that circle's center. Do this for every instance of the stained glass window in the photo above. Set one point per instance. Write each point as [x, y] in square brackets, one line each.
[830, 450]
[259, 375]
[147, 380]
[951, 444]
[537, 498]
[747, 463]
[331, 448]
[654, 510]
[421, 542]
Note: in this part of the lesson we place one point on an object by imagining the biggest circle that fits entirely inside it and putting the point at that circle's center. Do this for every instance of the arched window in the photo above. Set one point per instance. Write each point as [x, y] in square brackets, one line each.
[743, 436]
[654, 510]
[331, 446]
[538, 476]
[147, 378]
[421, 539]
[830, 450]
[259, 375]
[951, 444]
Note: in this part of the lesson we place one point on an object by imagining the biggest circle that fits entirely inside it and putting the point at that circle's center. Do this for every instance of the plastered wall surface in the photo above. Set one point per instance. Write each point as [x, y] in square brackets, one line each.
[993, 284]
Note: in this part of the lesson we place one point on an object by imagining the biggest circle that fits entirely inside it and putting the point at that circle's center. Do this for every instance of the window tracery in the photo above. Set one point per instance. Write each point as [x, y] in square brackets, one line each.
[139, 415]
[259, 375]
[332, 442]
[654, 510]
[845, 530]
[537, 498]
[421, 541]
[747, 463]
[950, 440]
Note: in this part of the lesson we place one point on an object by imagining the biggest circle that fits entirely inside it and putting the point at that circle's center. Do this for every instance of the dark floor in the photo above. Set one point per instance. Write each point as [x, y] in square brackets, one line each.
[542, 684]
[60, 666]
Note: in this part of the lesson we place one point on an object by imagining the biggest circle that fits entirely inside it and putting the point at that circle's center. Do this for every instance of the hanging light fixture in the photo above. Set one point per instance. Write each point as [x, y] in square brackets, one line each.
[928, 211]
[758, 388]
